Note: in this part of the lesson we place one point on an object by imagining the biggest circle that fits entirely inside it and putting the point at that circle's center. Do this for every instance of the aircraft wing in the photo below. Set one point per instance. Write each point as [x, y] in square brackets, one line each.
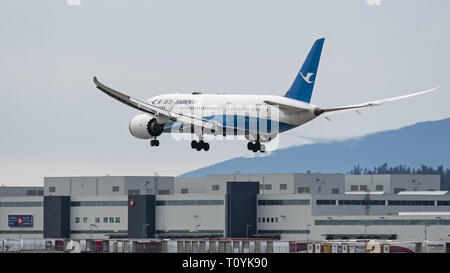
[375, 103]
[154, 110]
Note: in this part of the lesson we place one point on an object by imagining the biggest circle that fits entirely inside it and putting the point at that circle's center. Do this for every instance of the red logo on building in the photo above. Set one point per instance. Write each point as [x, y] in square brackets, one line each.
[19, 220]
[131, 202]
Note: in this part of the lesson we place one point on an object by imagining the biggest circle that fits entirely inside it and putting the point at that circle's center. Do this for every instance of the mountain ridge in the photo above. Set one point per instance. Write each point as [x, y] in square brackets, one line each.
[421, 143]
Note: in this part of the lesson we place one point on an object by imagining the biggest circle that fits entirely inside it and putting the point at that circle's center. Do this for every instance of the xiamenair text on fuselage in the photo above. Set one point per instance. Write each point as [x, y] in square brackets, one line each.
[260, 118]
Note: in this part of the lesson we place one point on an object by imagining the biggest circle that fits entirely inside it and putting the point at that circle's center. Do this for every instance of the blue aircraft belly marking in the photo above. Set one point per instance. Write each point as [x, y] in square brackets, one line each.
[282, 126]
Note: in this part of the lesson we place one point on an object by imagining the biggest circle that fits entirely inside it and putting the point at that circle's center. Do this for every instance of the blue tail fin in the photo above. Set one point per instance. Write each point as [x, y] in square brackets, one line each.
[303, 85]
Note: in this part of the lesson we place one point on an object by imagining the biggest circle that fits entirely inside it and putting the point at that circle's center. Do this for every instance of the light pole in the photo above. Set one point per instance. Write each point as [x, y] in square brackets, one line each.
[307, 234]
[196, 229]
[90, 230]
[246, 227]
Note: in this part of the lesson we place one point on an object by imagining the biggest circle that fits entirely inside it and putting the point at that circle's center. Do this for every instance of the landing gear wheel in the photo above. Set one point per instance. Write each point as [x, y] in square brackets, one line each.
[250, 146]
[262, 149]
[206, 147]
[154, 142]
[258, 146]
[194, 144]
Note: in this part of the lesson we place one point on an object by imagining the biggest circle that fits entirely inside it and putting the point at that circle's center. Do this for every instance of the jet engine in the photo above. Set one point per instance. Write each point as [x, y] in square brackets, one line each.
[145, 126]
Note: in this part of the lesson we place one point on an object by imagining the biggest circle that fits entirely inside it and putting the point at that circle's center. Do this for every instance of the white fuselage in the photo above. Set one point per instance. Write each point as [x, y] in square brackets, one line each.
[238, 111]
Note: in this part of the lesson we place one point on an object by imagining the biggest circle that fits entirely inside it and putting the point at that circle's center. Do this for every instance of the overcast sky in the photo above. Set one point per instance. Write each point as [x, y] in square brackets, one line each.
[54, 122]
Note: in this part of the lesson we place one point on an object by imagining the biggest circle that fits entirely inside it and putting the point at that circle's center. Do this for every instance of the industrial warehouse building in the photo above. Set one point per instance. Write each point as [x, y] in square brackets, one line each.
[285, 206]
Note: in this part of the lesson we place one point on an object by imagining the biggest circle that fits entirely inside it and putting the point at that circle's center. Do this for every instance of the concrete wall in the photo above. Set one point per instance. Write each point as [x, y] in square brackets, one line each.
[192, 184]
[83, 230]
[189, 217]
[291, 218]
[21, 191]
[371, 181]
[36, 231]
[320, 183]
[415, 182]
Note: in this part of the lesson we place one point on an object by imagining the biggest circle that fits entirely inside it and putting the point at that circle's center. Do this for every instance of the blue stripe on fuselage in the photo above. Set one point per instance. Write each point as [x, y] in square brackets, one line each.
[223, 118]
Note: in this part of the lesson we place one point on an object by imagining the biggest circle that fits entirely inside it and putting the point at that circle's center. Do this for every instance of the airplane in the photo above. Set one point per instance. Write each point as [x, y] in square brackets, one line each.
[260, 118]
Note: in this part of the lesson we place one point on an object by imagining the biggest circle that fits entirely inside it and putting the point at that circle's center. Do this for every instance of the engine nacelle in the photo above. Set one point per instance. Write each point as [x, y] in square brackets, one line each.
[145, 127]
[262, 138]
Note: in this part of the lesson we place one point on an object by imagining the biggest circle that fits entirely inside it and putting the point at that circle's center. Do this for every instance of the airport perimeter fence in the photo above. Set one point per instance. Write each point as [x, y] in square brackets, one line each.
[221, 246]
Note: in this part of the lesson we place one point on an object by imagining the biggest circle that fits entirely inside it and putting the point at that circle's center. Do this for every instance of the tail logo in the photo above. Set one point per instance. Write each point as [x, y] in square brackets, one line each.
[307, 78]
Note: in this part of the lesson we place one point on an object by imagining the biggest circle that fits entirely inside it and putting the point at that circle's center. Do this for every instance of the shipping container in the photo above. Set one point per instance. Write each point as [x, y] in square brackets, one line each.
[172, 246]
[373, 247]
[435, 247]
[317, 248]
[236, 247]
[326, 248]
[212, 246]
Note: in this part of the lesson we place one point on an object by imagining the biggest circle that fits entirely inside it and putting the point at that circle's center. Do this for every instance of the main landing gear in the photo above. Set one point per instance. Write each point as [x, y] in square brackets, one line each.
[199, 145]
[256, 147]
[154, 142]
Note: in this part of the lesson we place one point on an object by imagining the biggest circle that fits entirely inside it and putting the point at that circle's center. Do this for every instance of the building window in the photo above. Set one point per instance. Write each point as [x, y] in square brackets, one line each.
[397, 190]
[77, 219]
[85, 219]
[335, 191]
[362, 202]
[268, 220]
[97, 219]
[283, 186]
[163, 192]
[283, 202]
[215, 187]
[354, 188]
[133, 192]
[117, 219]
[31, 192]
[111, 219]
[184, 191]
[272, 220]
[51, 189]
[259, 219]
[115, 188]
[379, 187]
[264, 220]
[40, 192]
[105, 219]
[267, 186]
[415, 188]
[319, 189]
[325, 202]
[363, 187]
[411, 203]
[303, 190]
[261, 186]
[189, 202]
[276, 219]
